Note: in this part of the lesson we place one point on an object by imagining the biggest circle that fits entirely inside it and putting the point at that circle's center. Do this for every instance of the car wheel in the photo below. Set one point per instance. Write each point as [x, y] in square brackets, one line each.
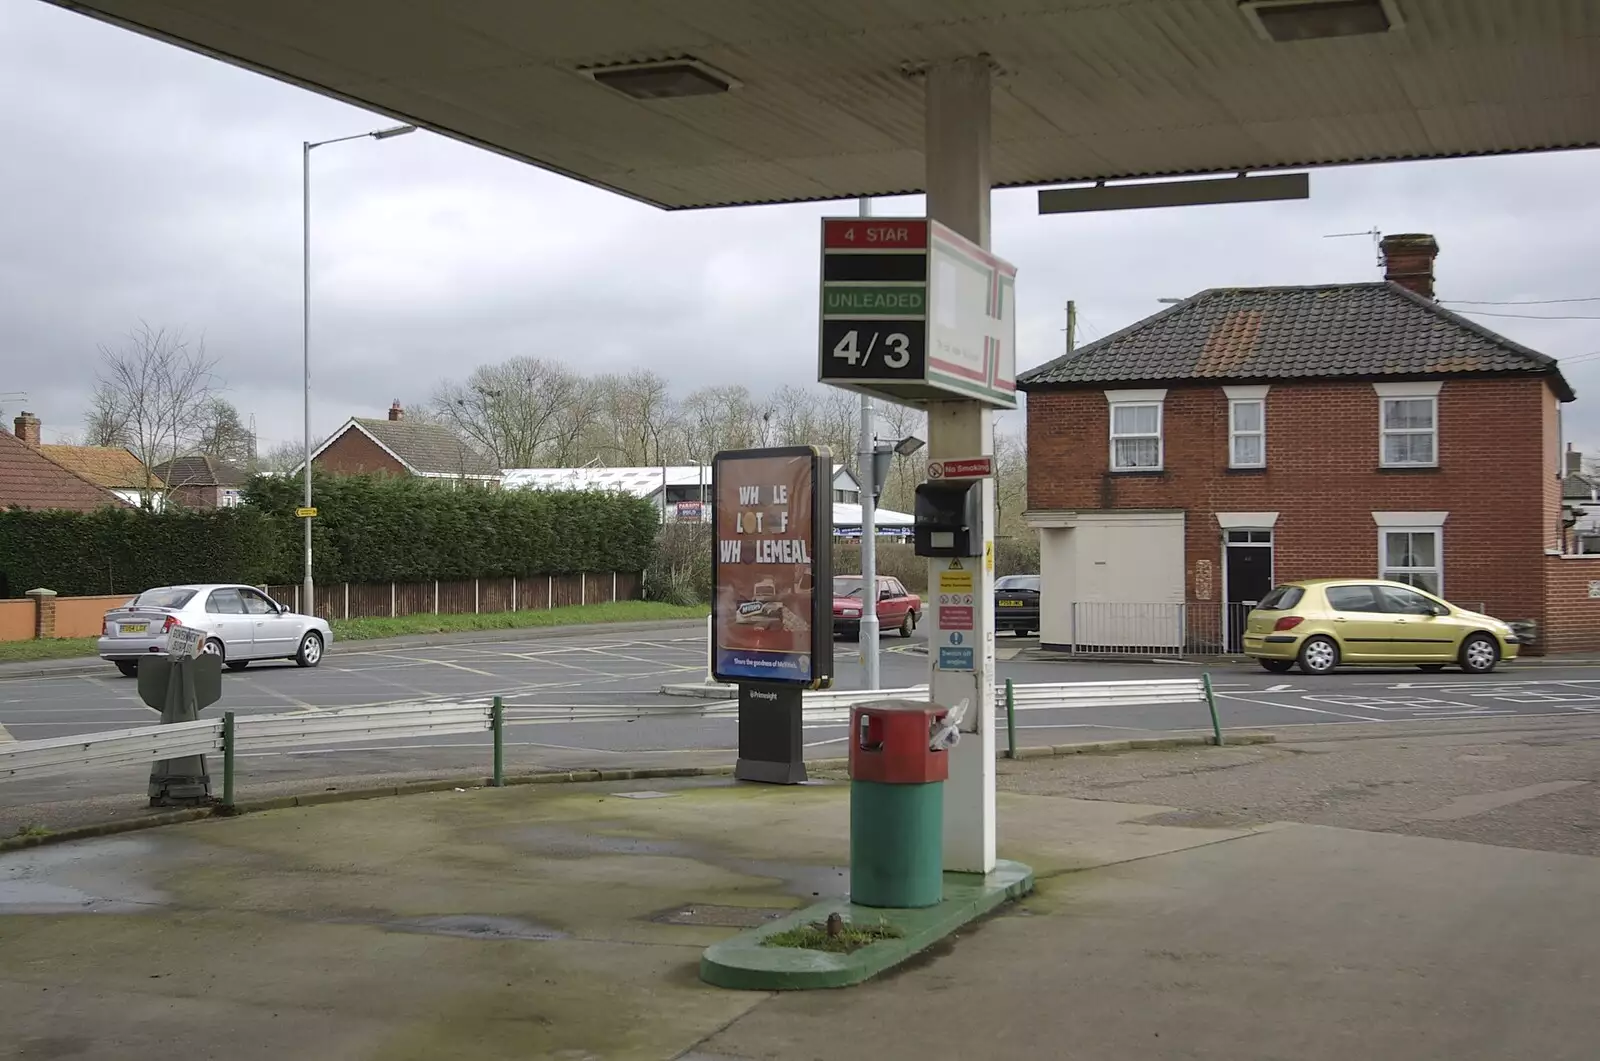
[128, 667]
[1277, 666]
[1430, 667]
[1479, 654]
[908, 625]
[238, 664]
[1319, 655]
[310, 653]
[214, 647]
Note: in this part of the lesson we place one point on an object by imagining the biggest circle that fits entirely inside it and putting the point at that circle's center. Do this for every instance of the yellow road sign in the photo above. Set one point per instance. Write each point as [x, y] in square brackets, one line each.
[305, 513]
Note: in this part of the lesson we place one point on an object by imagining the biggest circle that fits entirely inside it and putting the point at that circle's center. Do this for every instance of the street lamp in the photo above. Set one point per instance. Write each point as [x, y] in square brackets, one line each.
[309, 605]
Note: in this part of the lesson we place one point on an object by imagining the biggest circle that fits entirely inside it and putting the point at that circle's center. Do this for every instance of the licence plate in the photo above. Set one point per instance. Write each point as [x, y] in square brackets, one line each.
[133, 628]
[1011, 604]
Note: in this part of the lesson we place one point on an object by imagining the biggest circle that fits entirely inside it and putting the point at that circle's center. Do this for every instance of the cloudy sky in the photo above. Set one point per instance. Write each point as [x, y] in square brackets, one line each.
[141, 182]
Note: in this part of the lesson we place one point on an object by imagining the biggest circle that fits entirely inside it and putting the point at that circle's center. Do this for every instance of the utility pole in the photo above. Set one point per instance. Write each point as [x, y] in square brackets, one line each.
[1072, 325]
[869, 526]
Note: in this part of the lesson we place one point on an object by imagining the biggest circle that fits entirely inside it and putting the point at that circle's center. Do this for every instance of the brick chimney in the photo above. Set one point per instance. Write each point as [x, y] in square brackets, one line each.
[1574, 461]
[28, 428]
[395, 412]
[1408, 261]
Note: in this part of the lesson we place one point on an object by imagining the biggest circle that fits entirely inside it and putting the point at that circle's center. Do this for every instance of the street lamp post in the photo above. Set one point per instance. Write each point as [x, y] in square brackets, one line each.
[308, 605]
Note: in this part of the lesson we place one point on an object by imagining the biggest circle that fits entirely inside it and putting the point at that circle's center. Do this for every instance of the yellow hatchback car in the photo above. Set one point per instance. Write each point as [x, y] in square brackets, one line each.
[1321, 623]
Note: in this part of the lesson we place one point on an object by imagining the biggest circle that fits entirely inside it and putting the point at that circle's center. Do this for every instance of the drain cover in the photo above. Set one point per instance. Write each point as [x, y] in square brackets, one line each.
[719, 916]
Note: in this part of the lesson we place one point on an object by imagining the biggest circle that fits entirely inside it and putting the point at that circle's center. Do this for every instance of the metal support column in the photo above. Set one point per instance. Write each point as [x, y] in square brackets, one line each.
[869, 529]
[957, 159]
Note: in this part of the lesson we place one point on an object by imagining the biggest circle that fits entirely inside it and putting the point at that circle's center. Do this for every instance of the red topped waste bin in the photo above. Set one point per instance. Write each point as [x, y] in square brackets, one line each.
[897, 771]
[891, 743]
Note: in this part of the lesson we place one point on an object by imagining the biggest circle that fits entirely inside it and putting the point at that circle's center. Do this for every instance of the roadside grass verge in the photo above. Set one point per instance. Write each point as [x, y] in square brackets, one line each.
[628, 611]
[51, 648]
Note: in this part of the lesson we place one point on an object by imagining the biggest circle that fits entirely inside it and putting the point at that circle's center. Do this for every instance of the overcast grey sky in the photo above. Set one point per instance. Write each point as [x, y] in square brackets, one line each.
[143, 182]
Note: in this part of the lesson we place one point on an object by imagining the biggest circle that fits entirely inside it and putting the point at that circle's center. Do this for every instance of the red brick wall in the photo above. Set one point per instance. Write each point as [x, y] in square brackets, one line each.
[1322, 477]
[353, 453]
[1572, 617]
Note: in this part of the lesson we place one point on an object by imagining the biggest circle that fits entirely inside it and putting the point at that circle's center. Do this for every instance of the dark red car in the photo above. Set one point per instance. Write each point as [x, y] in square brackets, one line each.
[898, 608]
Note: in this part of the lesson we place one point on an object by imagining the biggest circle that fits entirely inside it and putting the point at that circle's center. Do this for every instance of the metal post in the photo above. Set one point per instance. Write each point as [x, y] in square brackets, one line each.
[305, 348]
[869, 527]
[1011, 721]
[1211, 704]
[957, 149]
[227, 759]
[497, 725]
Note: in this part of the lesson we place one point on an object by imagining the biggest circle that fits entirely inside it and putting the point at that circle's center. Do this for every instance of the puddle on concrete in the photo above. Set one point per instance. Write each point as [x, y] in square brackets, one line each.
[560, 842]
[647, 794]
[94, 876]
[711, 914]
[475, 926]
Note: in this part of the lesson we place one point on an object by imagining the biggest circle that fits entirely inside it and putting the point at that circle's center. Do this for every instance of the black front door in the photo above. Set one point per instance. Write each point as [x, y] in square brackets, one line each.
[1249, 578]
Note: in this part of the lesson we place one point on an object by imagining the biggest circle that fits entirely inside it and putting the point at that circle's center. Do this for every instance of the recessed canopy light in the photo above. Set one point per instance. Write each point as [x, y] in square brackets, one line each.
[667, 79]
[1285, 21]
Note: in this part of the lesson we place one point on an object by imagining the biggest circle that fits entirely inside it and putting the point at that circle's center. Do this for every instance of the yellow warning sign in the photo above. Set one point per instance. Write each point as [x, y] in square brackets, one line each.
[955, 563]
[955, 582]
[305, 513]
[988, 556]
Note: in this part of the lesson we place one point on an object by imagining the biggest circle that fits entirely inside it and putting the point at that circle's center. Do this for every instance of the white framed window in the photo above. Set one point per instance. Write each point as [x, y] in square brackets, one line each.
[1136, 430]
[1408, 424]
[1411, 548]
[1247, 427]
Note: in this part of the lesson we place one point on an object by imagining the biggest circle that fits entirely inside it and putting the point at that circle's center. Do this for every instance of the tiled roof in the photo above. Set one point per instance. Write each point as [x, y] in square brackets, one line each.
[428, 449]
[108, 466]
[28, 479]
[201, 471]
[1578, 488]
[1268, 333]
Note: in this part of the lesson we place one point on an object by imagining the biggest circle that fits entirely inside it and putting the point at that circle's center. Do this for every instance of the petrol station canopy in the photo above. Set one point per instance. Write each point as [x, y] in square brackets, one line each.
[695, 103]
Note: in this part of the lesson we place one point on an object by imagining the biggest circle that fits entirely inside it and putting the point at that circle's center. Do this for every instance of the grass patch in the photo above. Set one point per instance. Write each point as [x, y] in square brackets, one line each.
[847, 937]
[31, 831]
[50, 648]
[627, 611]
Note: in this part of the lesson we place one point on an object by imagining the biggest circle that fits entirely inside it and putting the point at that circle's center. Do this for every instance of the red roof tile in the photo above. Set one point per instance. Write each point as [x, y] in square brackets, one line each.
[28, 479]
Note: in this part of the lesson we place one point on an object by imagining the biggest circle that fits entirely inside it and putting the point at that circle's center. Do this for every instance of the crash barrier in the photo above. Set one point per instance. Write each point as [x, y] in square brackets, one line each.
[232, 734]
[825, 705]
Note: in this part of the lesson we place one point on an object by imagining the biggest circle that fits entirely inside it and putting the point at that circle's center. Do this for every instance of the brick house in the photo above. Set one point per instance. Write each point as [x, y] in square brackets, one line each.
[111, 468]
[397, 446]
[203, 481]
[1178, 468]
[29, 479]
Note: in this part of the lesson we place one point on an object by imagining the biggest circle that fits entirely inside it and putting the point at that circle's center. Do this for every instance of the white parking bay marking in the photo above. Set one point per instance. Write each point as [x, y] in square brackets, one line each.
[5, 738]
[1418, 706]
[1297, 707]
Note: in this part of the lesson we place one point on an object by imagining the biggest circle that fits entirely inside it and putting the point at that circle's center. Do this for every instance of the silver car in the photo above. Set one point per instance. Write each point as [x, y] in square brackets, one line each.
[240, 622]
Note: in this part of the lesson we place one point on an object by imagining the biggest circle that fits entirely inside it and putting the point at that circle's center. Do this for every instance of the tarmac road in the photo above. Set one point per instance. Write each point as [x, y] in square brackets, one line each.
[625, 669]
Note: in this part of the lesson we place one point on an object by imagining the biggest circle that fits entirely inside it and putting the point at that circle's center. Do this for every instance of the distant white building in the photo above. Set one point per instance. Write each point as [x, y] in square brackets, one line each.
[683, 492]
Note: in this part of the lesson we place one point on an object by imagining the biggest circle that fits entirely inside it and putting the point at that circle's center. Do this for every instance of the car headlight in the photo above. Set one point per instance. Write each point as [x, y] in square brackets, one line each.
[850, 613]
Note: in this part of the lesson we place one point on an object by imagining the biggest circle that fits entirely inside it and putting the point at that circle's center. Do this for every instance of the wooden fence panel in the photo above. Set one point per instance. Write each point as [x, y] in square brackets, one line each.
[566, 590]
[413, 598]
[494, 595]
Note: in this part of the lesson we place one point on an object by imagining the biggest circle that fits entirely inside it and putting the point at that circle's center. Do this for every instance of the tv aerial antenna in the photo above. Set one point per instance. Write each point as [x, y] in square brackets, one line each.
[1372, 233]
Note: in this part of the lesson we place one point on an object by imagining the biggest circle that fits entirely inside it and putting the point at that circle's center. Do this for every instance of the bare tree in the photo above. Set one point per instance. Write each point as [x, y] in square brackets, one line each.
[160, 388]
[222, 434]
[637, 414]
[512, 411]
[106, 422]
[283, 458]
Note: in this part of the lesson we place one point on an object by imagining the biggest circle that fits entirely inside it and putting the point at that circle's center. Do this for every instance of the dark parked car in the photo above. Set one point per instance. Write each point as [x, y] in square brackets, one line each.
[1016, 603]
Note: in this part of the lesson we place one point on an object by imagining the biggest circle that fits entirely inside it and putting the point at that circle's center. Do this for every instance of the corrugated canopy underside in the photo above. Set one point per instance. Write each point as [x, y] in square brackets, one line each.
[1086, 90]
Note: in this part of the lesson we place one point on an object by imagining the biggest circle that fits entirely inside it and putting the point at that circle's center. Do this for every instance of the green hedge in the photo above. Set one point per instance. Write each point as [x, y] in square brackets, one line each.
[127, 550]
[381, 529]
[368, 529]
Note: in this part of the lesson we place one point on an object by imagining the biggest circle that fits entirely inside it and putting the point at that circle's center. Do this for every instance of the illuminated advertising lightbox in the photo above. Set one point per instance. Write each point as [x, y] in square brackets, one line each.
[771, 566]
